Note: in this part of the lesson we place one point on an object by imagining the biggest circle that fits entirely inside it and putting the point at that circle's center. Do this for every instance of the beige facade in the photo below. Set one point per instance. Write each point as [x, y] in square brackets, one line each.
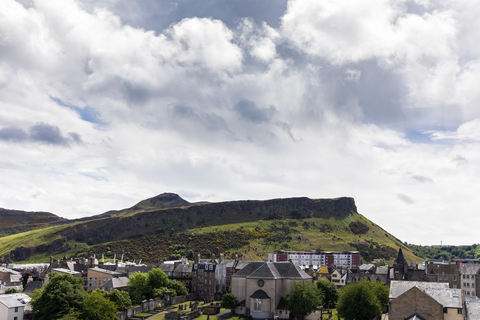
[96, 277]
[260, 285]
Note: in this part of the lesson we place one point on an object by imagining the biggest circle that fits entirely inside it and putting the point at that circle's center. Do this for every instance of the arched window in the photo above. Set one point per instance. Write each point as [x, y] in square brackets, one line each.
[257, 305]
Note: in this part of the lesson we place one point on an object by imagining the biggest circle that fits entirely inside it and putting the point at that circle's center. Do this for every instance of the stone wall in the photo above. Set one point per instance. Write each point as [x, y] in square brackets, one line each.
[414, 300]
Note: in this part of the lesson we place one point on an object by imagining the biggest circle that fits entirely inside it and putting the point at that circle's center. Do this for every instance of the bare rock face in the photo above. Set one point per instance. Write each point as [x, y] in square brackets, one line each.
[16, 221]
[178, 219]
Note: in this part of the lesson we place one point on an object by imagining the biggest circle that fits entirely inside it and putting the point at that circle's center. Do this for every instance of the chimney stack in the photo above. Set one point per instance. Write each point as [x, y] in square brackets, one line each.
[198, 258]
[222, 257]
[236, 256]
[213, 258]
[51, 260]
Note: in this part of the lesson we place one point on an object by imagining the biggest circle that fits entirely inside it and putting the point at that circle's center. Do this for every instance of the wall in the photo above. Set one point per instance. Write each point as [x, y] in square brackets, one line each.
[414, 300]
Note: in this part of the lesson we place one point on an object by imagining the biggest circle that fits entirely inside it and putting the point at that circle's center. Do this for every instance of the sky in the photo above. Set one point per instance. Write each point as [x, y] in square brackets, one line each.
[104, 103]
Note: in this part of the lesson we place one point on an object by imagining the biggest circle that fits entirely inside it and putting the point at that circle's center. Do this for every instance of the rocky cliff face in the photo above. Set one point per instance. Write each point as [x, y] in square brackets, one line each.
[179, 219]
[16, 221]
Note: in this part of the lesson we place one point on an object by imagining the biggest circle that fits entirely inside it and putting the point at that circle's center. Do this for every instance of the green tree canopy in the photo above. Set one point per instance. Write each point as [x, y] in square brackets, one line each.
[177, 287]
[358, 301]
[138, 287]
[98, 307]
[303, 299]
[229, 301]
[157, 278]
[62, 295]
[160, 292]
[120, 298]
[329, 291]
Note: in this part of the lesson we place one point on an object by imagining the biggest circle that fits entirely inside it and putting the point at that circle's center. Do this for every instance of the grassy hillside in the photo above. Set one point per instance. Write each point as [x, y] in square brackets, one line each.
[15, 221]
[249, 228]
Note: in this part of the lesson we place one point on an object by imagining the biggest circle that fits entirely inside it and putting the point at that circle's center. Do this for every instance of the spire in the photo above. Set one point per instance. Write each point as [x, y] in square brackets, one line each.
[400, 258]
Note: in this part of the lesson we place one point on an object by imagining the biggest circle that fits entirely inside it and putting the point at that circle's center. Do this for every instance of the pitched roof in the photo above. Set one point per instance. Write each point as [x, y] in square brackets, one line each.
[450, 298]
[381, 270]
[272, 270]
[142, 269]
[6, 270]
[415, 316]
[400, 258]
[32, 285]
[11, 302]
[260, 294]
[167, 267]
[66, 271]
[184, 268]
[114, 283]
[398, 288]
[113, 273]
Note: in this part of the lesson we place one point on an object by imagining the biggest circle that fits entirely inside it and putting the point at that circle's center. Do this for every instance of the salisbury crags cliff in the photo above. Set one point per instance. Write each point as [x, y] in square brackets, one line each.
[178, 219]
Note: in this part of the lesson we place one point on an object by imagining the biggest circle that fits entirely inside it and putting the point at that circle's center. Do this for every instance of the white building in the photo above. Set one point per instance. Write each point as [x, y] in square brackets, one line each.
[342, 259]
[12, 306]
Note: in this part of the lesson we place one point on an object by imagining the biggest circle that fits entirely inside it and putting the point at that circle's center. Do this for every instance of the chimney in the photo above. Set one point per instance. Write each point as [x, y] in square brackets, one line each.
[222, 257]
[45, 280]
[198, 258]
[51, 260]
[213, 258]
[100, 264]
[30, 279]
[236, 256]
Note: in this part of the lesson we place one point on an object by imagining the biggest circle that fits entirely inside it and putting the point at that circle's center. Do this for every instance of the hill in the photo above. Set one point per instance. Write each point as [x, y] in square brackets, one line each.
[16, 221]
[251, 228]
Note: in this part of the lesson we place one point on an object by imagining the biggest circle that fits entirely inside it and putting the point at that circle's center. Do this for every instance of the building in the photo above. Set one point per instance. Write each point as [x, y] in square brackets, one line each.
[207, 279]
[12, 306]
[119, 283]
[259, 287]
[469, 278]
[445, 272]
[183, 273]
[76, 274]
[96, 277]
[343, 259]
[424, 300]
[9, 277]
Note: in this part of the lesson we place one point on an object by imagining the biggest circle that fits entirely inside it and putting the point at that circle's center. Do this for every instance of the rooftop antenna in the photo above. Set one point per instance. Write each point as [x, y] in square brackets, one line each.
[114, 258]
[122, 258]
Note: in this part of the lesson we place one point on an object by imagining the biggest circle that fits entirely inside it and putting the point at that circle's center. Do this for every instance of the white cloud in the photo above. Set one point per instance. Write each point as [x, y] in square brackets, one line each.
[245, 113]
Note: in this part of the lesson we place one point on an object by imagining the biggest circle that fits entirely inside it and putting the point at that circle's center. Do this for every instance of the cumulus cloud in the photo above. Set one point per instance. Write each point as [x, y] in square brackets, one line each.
[224, 101]
[41, 133]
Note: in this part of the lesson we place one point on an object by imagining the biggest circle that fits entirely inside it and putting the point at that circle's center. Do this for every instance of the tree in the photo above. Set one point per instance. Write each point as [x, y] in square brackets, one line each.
[358, 301]
[177, 287]
[382, 292]
[303, 299]
[12, 290]
[137, 287]
[98, 307]
[157, 278]
[329, 291]
[62, 295]
[121, 299]
[160, 292]
[229, 301]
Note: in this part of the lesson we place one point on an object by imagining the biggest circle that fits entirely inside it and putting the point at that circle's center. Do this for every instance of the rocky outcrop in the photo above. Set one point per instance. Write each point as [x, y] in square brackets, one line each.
[179, 219]
[16, 221]
[22, 253]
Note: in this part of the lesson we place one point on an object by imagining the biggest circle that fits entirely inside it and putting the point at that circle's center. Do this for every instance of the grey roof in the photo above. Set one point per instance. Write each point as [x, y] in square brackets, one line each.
[115, 283]
[32, 285]
[450, 298]
[242, 264]
[367, 266]
[400, 258]
[415, 316]
[6, 270]
[13, 278]
[184, 268]
[473, 309]
[11, 302]
[113, 273]
[229, 263]
[167, 267]
[469, 268]
[272, 270]
[382, 270]
[67, 271]
[400, 287]
[142, 269]
[260, 294]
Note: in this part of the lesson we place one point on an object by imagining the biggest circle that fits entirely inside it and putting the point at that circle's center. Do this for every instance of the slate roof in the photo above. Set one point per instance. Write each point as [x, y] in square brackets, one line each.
[184, 268]
[115, 283]
[469, 268]
[382, 270]
[142, 269]
[6, 270]
[167, 267]
[398, 288]
[451, 298]
[11, 302]
[32, 285]
[229, 263]
[113, 273]
[260, 294]
[415, 316]
[242, 264]
[400, 258]
[66, 271]
[272, 270]
[473, 310]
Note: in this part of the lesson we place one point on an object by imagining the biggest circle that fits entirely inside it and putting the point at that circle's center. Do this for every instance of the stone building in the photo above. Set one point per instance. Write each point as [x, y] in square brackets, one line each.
[207, 279]
[424, 300]
[444, 272]
[259, 287]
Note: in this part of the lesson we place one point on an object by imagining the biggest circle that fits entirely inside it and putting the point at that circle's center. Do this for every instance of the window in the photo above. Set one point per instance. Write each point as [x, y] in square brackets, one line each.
[16, 309]
[454, 278]
[459, 310]
[15, 318]
[463, 276]
[445, 310]
[473, 285]
[257, 305]
[454, 286]
[468, 277]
